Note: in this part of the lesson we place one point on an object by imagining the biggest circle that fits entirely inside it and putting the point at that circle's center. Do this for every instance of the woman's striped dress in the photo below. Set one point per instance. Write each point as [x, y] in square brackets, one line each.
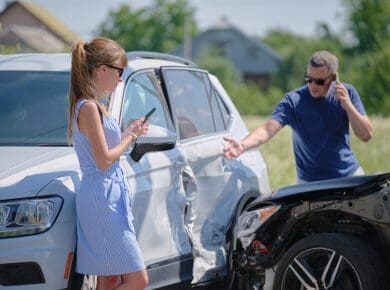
[106, 241]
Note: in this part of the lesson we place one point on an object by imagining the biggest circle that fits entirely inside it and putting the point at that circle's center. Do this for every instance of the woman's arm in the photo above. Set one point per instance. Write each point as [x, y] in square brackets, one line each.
[90, 124]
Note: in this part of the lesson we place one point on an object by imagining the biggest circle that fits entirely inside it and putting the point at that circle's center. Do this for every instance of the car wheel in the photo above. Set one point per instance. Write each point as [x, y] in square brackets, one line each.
[330, 261]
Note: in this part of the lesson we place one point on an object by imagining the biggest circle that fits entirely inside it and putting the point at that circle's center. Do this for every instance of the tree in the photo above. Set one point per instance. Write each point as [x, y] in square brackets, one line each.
[158, 27]
[369, 22]
[295, 51]
[370, 58]
[369, 72]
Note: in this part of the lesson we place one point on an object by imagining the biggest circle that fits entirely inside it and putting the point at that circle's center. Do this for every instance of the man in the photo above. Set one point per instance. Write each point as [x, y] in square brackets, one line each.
[319, 114]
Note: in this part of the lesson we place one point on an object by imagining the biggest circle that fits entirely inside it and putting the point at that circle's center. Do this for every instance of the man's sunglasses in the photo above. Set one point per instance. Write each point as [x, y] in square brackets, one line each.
[119, 69]
[318, 82]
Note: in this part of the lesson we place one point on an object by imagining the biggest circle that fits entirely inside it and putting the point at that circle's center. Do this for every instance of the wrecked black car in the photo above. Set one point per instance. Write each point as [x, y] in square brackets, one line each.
[332, 234]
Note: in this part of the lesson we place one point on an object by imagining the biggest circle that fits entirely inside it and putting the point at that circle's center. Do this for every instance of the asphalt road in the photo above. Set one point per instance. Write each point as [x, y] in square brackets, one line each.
[91, 285]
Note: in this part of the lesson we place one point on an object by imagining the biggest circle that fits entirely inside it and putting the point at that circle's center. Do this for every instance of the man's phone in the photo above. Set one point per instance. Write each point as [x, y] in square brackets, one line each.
[149, 113]
[337, 80]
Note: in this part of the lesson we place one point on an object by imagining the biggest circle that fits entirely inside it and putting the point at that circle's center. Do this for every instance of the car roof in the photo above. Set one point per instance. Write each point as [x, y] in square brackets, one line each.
[62, 61]
[35, 61]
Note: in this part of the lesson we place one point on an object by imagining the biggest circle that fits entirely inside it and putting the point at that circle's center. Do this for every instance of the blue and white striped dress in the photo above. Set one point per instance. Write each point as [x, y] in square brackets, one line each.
[106, 241]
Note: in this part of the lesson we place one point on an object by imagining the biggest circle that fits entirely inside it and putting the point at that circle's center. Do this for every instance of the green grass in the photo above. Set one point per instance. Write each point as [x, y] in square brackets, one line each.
[373, 155]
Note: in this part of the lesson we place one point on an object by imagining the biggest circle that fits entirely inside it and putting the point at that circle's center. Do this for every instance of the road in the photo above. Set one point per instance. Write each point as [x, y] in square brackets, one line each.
[90, 284]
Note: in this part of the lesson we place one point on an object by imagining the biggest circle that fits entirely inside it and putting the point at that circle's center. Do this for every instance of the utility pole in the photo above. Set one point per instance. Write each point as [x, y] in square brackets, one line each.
[187, 38]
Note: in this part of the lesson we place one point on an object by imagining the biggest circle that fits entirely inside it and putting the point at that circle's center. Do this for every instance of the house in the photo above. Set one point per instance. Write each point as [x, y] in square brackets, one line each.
[32, 29]
[254, 60]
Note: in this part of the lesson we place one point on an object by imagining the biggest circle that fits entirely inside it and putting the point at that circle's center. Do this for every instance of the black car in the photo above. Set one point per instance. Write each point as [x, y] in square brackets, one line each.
[332, 234]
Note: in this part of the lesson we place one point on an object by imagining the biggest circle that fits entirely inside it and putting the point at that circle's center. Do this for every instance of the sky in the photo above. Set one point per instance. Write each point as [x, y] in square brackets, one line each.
[254, 17]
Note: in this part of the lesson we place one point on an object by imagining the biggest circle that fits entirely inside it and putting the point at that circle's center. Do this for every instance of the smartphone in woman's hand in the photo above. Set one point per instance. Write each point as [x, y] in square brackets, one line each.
[149, 113]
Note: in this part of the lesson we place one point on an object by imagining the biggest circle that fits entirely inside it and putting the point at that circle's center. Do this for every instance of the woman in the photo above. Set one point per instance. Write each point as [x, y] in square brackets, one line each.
[106, 242]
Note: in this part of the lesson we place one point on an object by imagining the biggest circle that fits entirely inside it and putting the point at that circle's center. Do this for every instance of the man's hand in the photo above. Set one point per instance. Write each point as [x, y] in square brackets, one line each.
[232, 149]
[361, 125]
[343, 96]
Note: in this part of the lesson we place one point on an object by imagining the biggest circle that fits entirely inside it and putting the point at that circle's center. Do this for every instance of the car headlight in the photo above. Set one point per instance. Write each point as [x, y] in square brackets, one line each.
[28, 216]
[250, 221]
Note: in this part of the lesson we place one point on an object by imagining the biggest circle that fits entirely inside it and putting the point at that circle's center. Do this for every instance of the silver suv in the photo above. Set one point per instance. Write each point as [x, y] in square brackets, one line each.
[185, 194]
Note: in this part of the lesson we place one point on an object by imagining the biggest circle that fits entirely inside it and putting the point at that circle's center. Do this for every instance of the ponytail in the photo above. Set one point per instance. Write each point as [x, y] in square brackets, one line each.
[86, 57]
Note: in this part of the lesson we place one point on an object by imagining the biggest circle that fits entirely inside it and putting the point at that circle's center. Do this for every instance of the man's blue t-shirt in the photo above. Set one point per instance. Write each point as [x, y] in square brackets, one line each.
[320, 133]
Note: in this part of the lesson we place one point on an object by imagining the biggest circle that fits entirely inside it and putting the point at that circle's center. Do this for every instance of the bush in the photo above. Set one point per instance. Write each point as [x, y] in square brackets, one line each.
[249, 100]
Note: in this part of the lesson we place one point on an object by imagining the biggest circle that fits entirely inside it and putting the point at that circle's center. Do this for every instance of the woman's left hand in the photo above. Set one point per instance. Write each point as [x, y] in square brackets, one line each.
[138, 127]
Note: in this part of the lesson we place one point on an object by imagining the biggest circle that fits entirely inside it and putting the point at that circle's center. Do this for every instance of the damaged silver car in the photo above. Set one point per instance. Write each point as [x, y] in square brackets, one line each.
[185, 194]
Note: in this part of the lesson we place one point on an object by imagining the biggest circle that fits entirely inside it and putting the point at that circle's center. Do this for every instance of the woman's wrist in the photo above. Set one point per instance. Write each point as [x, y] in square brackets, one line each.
[130, 136]
[242, 146]
[135, 136]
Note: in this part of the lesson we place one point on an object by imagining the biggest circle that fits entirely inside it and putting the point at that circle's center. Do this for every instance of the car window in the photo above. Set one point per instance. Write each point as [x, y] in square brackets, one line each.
[34, 108]
[143, 93]
[190, 95]
[220, 112]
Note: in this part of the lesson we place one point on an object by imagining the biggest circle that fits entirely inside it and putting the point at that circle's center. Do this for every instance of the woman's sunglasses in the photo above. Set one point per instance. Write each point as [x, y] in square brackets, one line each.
[318, 82]
[119, 69]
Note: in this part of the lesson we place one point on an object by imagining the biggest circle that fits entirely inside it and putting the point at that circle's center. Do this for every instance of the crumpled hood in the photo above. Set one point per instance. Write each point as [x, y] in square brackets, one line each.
[24, 171]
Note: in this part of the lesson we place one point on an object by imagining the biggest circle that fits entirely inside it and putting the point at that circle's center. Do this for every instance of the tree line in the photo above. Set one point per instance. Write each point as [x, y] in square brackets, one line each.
[363, 49]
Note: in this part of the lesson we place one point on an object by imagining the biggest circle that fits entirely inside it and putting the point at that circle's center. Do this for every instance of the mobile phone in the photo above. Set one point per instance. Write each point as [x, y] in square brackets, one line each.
[337, 77]
[149, 113]
[337, 80]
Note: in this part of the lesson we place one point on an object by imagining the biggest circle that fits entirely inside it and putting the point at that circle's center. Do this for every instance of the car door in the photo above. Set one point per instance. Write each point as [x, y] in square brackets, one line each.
[155, 181]
[201, 120]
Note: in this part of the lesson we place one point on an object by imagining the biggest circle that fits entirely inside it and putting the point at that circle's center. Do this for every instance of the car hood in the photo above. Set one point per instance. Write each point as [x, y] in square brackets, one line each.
[24, 171]
[340, 188]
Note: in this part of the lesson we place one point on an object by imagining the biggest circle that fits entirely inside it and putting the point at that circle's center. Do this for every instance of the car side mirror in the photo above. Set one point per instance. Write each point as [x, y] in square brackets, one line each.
[157, 139]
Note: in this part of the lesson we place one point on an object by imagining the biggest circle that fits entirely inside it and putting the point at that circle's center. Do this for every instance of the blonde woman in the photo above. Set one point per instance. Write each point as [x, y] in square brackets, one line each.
[106, 242]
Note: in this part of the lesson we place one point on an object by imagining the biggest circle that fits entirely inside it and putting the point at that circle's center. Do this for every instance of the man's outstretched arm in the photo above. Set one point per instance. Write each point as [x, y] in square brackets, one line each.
[257, 137]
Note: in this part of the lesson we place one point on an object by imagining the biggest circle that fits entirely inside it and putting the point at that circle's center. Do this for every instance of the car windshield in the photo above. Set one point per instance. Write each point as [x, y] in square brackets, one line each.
[33, 110]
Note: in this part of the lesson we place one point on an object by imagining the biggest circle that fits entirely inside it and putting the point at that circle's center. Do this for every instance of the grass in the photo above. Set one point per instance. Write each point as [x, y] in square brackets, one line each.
[373, 156]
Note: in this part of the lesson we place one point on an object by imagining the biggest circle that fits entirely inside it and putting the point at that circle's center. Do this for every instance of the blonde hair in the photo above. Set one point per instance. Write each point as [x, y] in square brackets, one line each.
[86, 57]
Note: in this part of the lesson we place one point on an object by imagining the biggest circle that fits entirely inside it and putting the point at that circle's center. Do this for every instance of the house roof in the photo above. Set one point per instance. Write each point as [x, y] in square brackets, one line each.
[36, 38]
[50, 21]
[247, 54]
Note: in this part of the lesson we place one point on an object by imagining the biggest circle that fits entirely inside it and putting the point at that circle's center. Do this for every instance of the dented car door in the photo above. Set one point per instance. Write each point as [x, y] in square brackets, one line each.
[155, 180]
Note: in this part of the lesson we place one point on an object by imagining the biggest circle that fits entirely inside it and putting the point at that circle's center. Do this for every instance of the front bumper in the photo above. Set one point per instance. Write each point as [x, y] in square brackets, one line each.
[43, 256]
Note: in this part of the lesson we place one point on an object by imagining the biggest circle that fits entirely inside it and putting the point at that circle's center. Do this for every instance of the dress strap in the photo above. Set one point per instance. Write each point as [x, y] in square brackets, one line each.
[78, 107]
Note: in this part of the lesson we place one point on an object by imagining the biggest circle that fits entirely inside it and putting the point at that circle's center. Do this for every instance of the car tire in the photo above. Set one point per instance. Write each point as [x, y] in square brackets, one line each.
[342, 261]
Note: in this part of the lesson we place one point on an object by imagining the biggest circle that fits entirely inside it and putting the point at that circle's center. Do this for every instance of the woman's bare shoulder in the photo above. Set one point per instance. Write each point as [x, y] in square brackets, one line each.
[89, 107]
